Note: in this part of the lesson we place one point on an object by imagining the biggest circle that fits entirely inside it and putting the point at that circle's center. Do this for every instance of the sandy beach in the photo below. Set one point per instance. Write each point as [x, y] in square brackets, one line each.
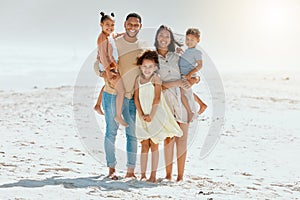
[244, 146]
[44, 156]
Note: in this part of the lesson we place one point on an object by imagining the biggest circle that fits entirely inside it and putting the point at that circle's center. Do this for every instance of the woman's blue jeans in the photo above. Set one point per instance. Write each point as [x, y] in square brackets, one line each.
[129, 114]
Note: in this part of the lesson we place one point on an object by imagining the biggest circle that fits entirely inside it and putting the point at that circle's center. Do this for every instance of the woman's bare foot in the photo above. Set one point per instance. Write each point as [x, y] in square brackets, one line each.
[203, 107]
[120, 120]
[98, 109]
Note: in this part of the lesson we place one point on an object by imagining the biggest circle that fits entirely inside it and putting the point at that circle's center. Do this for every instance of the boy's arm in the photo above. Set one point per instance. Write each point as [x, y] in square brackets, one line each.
[137, 100]
[195, 70]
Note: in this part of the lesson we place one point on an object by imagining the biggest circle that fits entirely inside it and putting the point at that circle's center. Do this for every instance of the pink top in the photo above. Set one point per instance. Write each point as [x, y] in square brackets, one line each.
[105, 50]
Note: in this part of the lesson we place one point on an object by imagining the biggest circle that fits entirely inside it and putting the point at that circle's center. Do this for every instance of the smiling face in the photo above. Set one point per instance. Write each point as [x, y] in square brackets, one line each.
[163, 39]
[108, 26]
[148, 68]
[191, 41]
[132, 26]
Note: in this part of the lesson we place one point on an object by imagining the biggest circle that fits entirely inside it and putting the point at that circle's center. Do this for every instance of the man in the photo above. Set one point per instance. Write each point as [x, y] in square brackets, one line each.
[128, 48]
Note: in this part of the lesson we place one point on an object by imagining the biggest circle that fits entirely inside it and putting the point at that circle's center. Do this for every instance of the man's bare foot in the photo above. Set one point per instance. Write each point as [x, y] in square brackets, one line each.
[111, 174]
[203, 107]
[190, 116]
[98, 109]
[121, 121]
[152, 179]
[143, 177]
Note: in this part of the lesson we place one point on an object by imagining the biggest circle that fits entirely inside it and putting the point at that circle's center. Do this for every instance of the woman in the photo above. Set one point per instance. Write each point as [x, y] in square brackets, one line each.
[170, 75]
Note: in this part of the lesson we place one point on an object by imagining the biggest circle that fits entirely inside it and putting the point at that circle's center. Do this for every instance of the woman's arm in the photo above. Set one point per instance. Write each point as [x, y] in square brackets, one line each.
[195, 70]
[137, 100]
[177, 83]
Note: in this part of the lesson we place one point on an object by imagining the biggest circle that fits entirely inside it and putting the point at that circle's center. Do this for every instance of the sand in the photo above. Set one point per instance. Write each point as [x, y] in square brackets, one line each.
[44, 156]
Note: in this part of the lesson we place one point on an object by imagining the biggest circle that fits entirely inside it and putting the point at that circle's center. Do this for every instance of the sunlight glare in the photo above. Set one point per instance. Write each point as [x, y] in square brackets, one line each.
[274, 14]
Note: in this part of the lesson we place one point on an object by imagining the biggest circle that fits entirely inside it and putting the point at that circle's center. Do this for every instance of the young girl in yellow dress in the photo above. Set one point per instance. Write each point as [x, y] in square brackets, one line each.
[154, 121]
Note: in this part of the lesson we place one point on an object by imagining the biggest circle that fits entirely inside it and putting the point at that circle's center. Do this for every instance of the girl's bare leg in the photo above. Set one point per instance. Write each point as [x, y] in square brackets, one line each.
[144, 157]
[98, 105]
[186, 104]
[154, 159]
[119, 101]
[169, 153]
[202, 105]
[181, 146]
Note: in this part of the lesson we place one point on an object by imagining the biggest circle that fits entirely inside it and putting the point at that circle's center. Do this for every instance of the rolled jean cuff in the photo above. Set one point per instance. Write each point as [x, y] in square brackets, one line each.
[130, 166]
[112, 165]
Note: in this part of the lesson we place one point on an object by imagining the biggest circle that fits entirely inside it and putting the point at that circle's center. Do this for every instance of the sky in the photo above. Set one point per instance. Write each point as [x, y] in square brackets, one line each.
[235, 33]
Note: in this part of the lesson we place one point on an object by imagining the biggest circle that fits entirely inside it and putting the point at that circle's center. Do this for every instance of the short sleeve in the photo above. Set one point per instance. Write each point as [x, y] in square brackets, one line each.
[198, 55]
[157, 79]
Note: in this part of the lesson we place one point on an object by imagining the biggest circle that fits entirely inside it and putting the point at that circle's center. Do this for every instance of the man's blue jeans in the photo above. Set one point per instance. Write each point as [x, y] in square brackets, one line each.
[129, 114]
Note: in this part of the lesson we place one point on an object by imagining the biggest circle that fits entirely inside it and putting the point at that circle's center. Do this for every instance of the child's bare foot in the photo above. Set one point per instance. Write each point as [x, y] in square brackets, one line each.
[168, 177]
[179, 178]
[121, 121]
[152, 179]
[203, 107]
[98, 109]
[190, 116]
[143, 177]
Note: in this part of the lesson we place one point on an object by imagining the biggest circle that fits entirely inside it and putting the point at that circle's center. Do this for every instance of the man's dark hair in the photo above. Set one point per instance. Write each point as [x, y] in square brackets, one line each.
[134, 15]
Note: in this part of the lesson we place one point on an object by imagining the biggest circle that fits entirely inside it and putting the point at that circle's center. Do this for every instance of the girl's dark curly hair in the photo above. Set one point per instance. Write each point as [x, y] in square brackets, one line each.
[149, 55]
[105, 16]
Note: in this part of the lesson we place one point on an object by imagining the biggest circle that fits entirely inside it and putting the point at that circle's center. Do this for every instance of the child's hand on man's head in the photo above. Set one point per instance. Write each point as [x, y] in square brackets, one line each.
[116, 35]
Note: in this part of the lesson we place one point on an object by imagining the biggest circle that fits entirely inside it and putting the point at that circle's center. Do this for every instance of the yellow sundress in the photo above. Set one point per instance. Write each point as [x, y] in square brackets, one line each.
[163, 123]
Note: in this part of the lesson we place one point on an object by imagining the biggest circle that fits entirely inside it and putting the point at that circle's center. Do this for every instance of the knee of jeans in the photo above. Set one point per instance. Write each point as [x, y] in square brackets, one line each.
[111, 124]
[131, 125]
[111, 135]
[131, 137]
[112, 127]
